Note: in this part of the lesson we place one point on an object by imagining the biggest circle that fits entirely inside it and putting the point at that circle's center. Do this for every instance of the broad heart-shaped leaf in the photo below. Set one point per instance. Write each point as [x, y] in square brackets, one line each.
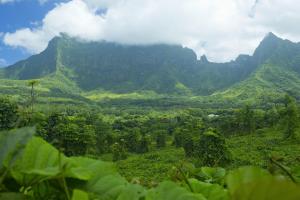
[244, 175]
[86, 168]
[107, 187]
[103, 181]
[39, 161]
[80, 195]
[256, 184]
[12, 144]
[296, 173]
[12, 196]
[268, 188]
[209, 191]
[132, 192]
[171, 191]
[211, 174]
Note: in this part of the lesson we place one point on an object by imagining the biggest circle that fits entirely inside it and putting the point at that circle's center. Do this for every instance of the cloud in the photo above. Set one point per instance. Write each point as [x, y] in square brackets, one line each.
[6, 1]
[219, 29]
[11, 1]
[73, 18]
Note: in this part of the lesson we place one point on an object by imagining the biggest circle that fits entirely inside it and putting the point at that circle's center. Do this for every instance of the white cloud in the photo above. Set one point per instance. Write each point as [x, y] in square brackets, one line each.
[11, 1]
[221, 29]
[6, 1]
[73, 18]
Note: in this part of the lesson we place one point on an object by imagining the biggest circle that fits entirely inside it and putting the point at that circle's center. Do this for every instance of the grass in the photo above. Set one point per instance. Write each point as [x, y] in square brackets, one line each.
[99, 95]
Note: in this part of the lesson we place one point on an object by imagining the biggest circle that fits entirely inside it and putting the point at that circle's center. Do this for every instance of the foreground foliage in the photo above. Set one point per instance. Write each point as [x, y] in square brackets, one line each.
[33, 169]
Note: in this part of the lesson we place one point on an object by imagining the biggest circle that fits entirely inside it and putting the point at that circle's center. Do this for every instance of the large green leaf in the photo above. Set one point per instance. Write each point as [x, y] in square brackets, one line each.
[267, 189]
[244, 175]
[171, 191]
[296, 173]
[12, 144]
[209, 191]
[86, 168]
[132, 192]
[107, 186]
[79, 195]
[252, 183]
[12, 196]
[211, 174]
[39, 161]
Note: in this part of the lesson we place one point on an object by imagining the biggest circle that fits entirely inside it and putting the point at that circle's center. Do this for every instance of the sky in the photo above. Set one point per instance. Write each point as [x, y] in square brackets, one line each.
[220, 29]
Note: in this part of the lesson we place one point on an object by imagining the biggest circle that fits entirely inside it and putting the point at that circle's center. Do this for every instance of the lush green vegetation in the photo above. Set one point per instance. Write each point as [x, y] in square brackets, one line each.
[109, 121]
[33, 169]
[156, 154]
[157, 75]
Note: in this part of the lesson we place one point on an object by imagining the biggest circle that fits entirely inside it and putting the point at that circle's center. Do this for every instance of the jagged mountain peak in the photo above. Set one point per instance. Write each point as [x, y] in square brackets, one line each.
[267, 47]
[161, 68]
[203, 59]
[271, 36]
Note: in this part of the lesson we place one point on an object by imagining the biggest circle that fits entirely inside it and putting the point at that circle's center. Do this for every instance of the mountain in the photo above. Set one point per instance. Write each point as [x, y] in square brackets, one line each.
[72, 67]
[119, 68]
[277, 74]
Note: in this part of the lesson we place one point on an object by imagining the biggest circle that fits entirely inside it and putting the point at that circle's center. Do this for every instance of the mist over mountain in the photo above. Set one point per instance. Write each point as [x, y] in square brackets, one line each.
[163, 69]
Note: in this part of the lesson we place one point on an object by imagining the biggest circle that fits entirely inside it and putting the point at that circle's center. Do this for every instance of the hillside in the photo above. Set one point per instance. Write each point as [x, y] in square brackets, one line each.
[277, 75]
[96, 70]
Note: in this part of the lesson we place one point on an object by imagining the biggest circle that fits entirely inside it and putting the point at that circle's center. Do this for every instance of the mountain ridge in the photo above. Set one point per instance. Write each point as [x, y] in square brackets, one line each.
[163, 69]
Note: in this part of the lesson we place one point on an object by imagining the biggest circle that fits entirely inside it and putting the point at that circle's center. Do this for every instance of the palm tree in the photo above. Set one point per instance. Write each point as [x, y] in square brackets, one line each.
[32, 83]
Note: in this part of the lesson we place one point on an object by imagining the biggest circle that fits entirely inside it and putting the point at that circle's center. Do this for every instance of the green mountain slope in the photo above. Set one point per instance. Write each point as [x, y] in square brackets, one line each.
[164, 69]
[276, 76]
[74, 69]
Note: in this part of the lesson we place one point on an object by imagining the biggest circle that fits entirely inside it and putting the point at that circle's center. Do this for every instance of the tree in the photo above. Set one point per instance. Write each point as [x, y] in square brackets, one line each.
[8, 113]
[246, 119]
[131, 139]
[119, 151]
[211, 150]
[188, 144]
[32, 83]
[102, 130]
[178, 138]
[144, 144]
[88, 137]
[272, 117]
[68, 136]
[160, 137]
[290, 117]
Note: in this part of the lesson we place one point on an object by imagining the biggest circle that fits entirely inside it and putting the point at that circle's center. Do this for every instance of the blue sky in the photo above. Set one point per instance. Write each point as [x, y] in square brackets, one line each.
[17, 15]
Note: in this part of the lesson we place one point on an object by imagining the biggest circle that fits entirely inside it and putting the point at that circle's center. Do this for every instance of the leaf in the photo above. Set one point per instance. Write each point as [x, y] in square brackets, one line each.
[209, 191]
[171, 191]
[39, 161]
[211, 175]
[268, 188]
[80, 195]
[296, 173]
[256, 184]
[12, 196]
[12, 144]
[244, 175]
[104, 182]
[86, 168]
[107, 186]
[132, 192]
